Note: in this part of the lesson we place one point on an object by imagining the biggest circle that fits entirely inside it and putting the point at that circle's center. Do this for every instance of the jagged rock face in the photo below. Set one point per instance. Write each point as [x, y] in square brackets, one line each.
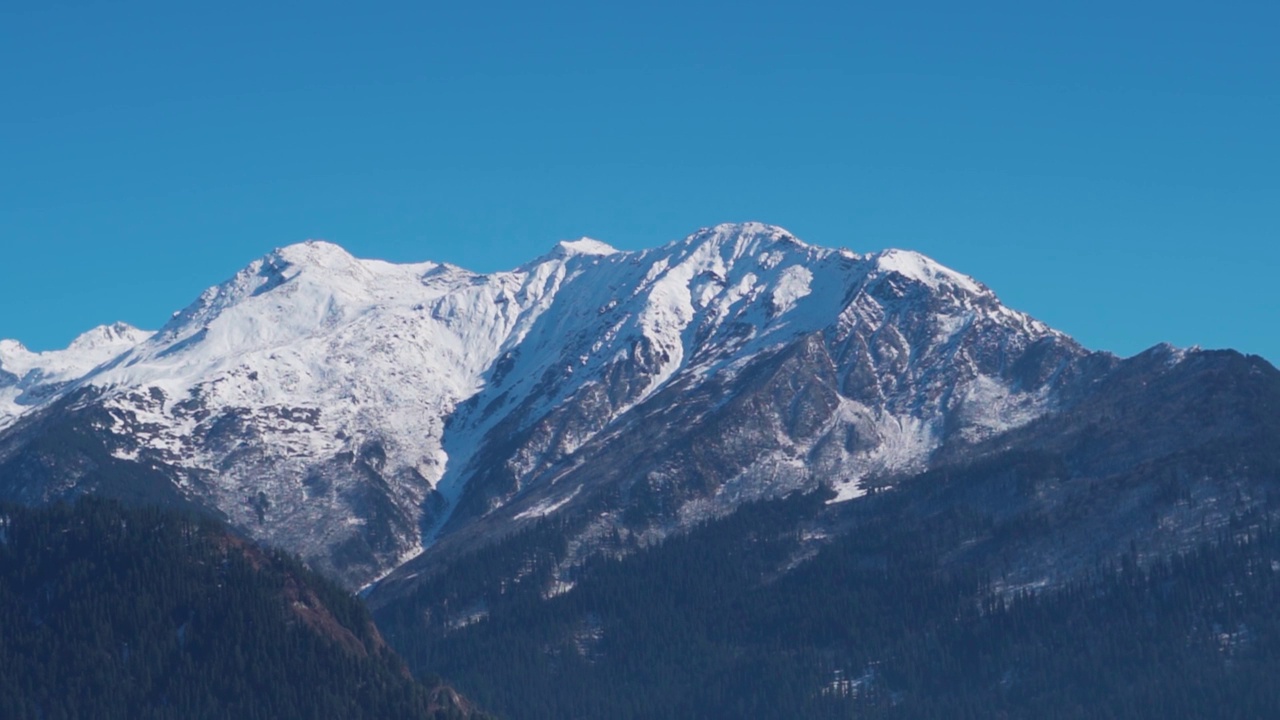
[356, 411]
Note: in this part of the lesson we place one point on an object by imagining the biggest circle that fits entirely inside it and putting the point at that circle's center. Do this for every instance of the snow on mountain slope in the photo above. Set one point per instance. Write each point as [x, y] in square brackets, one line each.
[745, 364]
[28, 379]
[637, 321]
[914, 348]
[346, 408]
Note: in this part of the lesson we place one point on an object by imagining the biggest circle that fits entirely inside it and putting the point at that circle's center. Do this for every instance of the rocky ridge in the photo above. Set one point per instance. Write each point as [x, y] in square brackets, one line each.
[357, 411]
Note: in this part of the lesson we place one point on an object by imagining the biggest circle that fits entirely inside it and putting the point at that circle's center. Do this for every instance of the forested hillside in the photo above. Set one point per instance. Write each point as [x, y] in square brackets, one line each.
[108, 612]
[736, 620]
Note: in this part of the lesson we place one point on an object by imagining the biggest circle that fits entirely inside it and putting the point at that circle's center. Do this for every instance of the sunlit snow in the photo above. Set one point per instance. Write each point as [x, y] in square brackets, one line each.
[310, 354]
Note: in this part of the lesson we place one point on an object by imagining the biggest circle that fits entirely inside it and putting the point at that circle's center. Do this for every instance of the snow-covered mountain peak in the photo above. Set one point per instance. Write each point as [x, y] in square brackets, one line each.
[27, 379]
[726, 230]
[11, 347]
[87, 351]
[743, 237]
[279, 298]
[924, 269]
[333, 386]
[317, 253]
[116, 337]
[582, 246]
[565, 254]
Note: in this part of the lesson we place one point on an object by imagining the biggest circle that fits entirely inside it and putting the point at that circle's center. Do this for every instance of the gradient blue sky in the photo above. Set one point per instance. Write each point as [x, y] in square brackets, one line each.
[1111, 168]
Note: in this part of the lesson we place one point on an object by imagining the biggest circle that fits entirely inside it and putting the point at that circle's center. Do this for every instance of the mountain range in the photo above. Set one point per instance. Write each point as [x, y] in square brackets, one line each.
[734, 475]
[372, 416]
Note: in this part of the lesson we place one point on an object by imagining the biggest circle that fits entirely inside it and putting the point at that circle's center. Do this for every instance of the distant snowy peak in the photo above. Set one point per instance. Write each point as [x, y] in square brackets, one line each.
[29, 379]
[111, 339]
[87, 351]
[582, 246]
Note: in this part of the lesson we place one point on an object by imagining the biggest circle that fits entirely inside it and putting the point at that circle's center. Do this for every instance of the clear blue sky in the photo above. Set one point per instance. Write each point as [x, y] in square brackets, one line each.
[1112, 168]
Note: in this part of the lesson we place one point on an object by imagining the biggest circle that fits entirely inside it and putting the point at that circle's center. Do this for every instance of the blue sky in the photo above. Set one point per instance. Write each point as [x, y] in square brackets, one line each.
[1111, 168]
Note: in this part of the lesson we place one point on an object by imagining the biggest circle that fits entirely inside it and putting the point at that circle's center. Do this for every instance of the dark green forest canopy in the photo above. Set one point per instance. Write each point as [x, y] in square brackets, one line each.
[737, 620]
[114, 612]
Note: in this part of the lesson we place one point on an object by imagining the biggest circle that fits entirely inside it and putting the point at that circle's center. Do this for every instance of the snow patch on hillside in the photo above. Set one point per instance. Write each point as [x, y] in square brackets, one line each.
[546, 507]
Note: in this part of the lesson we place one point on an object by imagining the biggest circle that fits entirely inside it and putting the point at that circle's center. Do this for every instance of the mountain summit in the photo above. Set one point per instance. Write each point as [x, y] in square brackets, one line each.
[358, 411]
